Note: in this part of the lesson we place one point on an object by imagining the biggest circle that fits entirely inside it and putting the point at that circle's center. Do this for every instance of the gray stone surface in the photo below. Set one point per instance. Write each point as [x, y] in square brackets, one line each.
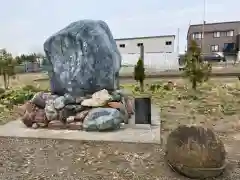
[84, 58]
[127, 133]
[102, 119]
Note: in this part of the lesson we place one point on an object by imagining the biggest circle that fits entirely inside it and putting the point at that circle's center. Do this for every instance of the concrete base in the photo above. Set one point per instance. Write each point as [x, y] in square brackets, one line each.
[128, 132]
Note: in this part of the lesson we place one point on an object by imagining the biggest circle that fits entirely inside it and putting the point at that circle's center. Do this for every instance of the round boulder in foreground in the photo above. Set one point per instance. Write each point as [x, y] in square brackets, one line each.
[195, 152]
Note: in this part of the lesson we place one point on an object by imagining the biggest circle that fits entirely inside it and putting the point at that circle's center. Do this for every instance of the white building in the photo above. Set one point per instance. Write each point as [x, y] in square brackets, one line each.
[152, 44]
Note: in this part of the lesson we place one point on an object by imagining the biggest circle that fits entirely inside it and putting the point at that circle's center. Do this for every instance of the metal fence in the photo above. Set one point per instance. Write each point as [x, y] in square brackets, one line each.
[153, 61]
[28, 67]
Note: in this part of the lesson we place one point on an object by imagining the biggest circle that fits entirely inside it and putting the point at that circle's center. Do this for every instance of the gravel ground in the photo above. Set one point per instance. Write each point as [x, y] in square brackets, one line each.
[43, 159]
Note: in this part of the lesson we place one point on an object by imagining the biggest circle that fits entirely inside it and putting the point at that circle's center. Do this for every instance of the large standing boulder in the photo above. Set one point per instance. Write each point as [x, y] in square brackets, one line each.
[195, 152]
[83, 59]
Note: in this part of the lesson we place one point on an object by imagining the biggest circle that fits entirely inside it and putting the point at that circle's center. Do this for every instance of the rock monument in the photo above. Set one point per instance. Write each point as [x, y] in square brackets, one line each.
[195, 152]
[84, 68]
[84, 59]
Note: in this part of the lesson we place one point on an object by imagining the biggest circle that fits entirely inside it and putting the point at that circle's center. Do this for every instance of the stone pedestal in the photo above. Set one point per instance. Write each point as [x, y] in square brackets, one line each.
[140, 133]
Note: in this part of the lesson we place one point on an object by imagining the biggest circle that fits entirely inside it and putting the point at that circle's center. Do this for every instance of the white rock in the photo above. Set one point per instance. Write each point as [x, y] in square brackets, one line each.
[98, 99]
[35, 126]
[70, 119]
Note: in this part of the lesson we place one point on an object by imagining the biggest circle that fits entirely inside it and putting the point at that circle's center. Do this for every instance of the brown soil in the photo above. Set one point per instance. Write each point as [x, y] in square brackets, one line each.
[43, 159]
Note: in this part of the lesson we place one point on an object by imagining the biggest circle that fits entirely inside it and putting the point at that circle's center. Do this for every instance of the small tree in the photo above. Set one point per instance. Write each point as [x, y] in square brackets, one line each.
[139, 73]
[18, 59]
[195, 68]
[27, 57]
[7, 66]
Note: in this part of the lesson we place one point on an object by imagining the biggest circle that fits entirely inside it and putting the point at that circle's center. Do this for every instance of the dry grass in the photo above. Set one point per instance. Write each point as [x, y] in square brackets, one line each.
[28, 79]
[215, 104]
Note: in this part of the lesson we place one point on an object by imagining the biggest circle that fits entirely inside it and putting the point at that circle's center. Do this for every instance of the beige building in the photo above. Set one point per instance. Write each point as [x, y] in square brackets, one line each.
[152, 44]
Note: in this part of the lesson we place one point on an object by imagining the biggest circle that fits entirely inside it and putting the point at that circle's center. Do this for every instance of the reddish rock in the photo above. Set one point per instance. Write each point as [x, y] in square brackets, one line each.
[115, 105]
[75, 126]
[129, 105]
[81, 115]
[40, 116]
[21, 110]
[56, 125]
[32, 114]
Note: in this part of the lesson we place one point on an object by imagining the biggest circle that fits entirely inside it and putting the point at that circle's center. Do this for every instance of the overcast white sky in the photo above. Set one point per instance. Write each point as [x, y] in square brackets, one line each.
[26, 24]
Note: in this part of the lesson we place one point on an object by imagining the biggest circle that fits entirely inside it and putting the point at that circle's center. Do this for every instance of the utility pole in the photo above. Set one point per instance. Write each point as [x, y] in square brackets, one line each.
[142, 53]
[203, 25]
[178, 32]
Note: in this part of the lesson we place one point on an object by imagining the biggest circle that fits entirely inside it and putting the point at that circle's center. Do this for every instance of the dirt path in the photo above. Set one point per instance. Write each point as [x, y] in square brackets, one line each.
[29, 159]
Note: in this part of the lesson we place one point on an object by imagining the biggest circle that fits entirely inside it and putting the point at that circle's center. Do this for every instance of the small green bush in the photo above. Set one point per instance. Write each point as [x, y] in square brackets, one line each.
[18, 96]
[154, 87]
[136, 88]
[139, 73]
[195, 69]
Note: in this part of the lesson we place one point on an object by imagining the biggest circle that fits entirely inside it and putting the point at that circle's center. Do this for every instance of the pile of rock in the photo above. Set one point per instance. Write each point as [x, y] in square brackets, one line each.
[83, 64]
[98, 112]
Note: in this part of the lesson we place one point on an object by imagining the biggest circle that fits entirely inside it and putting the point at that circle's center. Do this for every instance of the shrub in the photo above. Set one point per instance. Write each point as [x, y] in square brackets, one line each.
[7, 66]
[195, 69]
[139, 73]
[16, 97]
[154, 87]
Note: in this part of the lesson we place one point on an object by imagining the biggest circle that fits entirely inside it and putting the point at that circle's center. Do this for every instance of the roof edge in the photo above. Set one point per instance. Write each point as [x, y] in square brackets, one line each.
[145, 37]
[213, 23]
[224, 22]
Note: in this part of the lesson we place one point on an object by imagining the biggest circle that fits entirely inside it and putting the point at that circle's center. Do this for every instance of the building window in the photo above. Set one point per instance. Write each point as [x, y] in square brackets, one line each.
[140, 44]
[216, 34]
[215, 48]
[197, 36]
[122, 45]
[225, 45]
[229, 33]
[168, 43]
[193, 36]
[223, 33]
[228, 47]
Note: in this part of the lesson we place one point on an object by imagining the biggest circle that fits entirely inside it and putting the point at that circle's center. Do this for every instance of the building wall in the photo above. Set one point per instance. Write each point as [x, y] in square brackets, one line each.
[151, 45]
[209, 38]
[157, 61]
[209, 41]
